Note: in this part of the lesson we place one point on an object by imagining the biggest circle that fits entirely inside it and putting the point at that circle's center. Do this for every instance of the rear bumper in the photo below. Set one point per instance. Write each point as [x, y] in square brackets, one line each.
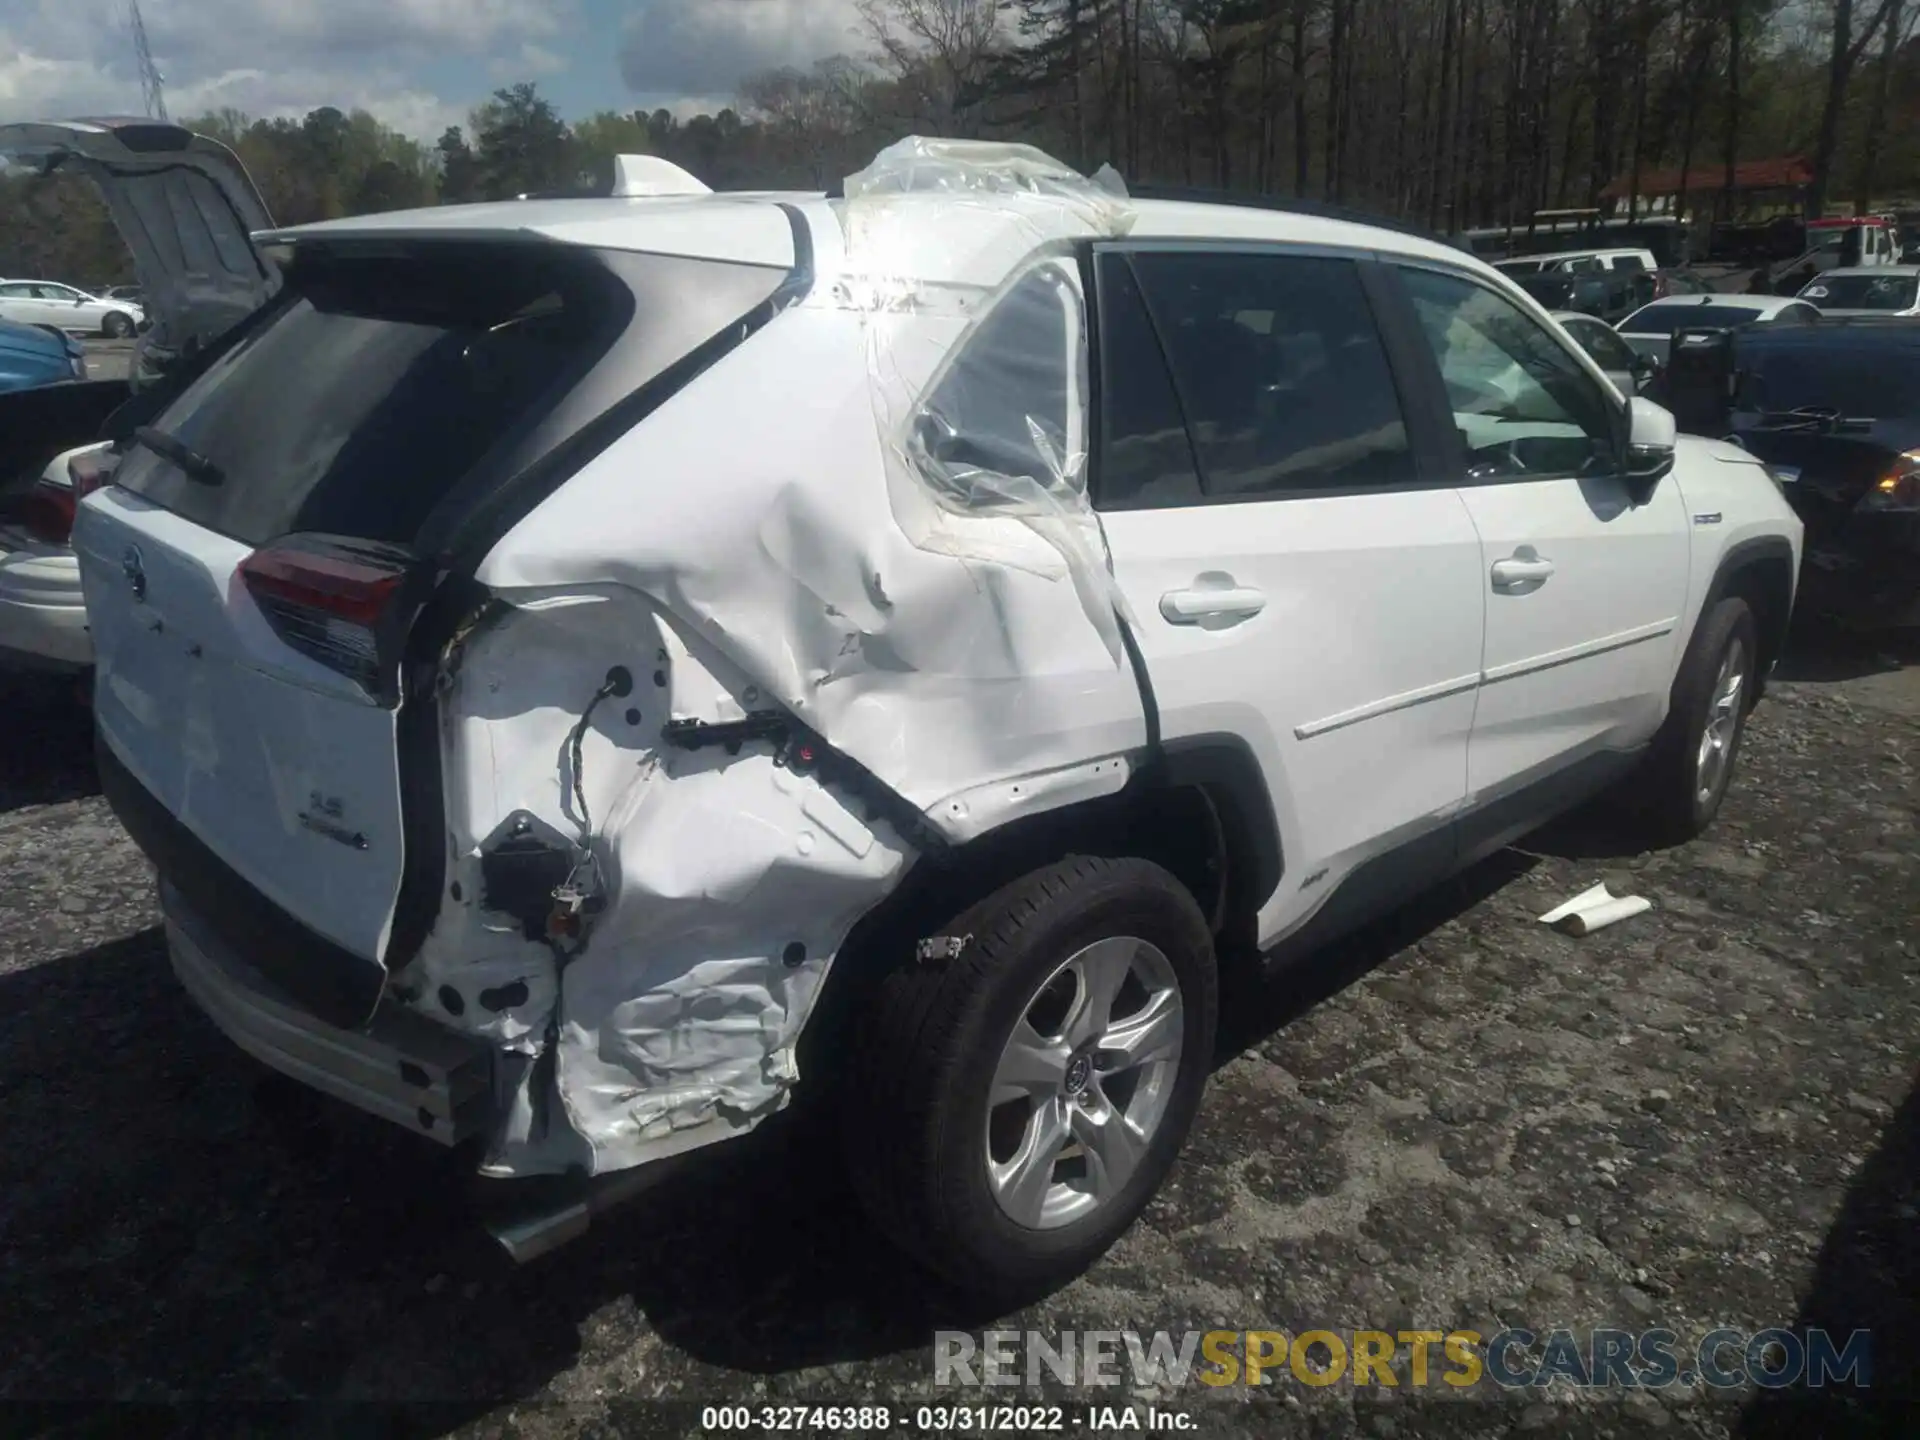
[43, 617]
[400, 1067]
[334, 985]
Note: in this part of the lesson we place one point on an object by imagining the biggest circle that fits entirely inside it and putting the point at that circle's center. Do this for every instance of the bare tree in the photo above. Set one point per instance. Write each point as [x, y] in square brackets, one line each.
[1897, 29]
[939, 52]
[1843, 54]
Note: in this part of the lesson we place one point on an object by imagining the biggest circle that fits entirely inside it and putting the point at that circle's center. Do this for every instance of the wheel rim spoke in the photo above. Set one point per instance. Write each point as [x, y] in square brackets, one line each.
[1723, 721]
[1100, 970]
[1022, 1183]
[1150, 1034]
[1032, 1065]
[1112, 1145]
[1083, 1082]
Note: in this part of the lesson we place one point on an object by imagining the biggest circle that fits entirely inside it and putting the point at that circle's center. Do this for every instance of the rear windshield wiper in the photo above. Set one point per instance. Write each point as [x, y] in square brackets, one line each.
[1822, 419]
[191, 462]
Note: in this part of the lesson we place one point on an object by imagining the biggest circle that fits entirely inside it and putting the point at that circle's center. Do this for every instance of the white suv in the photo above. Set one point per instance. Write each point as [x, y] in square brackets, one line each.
[585, 668]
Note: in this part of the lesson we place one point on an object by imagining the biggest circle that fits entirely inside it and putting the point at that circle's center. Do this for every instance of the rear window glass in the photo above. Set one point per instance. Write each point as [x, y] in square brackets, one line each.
[1862, 292]
[1866, 382]
[383, 381]
[1665, 319]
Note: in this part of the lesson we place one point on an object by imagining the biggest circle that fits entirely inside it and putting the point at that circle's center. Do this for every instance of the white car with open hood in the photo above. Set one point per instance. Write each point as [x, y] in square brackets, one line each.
[185, 206]
[586, 668]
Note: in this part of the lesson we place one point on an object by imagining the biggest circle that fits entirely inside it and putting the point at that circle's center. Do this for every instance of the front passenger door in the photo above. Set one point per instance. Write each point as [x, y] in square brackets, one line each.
[1585, 584]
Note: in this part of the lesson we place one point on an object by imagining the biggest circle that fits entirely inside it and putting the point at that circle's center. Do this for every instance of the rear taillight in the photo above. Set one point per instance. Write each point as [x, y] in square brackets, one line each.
[1660, 287]
[49, 512]
[51, 504]
[327, 597]
[90, 471]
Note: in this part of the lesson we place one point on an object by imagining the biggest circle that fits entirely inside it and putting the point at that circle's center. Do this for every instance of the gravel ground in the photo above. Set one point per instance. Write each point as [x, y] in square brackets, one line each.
[1705, 1116]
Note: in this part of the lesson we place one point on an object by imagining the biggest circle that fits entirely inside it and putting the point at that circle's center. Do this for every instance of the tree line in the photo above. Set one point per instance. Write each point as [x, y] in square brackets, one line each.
[1450, 113]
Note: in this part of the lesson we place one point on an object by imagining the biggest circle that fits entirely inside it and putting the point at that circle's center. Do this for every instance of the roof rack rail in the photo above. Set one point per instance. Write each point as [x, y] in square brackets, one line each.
[1196, 194]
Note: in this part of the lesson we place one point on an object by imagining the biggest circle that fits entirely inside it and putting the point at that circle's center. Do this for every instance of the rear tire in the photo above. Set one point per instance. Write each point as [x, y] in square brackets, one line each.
[117, 326]
[1011, 1111]
[1677, 790]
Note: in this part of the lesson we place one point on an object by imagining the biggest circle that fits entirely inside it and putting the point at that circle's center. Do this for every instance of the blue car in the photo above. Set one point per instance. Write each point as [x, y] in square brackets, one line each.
[31, 357]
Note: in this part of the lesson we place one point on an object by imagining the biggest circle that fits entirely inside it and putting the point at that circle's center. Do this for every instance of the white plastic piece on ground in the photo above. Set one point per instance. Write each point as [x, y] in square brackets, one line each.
[651, 175]
[1595, 909]
[966, 337]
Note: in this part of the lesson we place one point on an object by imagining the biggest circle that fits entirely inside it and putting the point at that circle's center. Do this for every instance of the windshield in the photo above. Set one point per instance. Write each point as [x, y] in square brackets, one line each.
[1863, 292]
[1665, 319]
[1869, 383]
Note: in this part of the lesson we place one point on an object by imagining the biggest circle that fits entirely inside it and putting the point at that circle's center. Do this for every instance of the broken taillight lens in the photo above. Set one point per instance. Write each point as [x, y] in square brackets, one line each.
[326, 596]
[51, 505]
[91, 471]
[49, 512]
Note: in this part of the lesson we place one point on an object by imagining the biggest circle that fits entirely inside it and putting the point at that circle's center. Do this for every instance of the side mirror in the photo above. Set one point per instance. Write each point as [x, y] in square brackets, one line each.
[1651, 436]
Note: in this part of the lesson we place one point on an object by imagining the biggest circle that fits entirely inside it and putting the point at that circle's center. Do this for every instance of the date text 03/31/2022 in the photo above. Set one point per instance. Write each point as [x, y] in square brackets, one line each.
[942, 1419]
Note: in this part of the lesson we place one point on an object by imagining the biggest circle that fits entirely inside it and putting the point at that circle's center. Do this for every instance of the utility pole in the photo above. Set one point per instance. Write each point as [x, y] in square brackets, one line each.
[150, 94]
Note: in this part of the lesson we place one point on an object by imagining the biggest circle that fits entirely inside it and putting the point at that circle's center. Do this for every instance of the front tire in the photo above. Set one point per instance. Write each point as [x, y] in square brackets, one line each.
[1679, 788]
[1015, 1108]
[117, 326]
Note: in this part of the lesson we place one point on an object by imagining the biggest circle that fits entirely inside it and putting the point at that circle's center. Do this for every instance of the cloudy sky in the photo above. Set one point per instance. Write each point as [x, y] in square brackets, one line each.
[417, 64]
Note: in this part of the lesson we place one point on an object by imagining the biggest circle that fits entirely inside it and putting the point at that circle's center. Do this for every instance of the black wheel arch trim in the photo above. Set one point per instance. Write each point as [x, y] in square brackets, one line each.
[1742, 556]
[1222, 766]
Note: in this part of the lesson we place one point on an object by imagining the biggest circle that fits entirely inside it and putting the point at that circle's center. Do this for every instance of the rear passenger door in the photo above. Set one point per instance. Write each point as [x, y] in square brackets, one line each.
[1301, 577]
[1585, 584]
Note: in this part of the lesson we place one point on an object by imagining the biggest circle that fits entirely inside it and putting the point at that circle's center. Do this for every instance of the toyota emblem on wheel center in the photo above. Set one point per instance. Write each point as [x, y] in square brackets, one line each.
[135, 571]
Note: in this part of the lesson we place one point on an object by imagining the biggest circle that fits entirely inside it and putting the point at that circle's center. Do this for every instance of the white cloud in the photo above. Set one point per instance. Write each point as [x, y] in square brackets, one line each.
[529, 62]
[268, 57]
[707, 47]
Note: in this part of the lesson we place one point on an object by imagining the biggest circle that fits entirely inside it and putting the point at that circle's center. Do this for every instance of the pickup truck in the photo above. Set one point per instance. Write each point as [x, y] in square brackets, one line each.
[1585, 282]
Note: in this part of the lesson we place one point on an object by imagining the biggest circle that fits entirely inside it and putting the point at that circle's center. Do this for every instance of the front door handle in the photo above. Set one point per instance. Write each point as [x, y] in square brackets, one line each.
[1524, 570]
[1191, 607]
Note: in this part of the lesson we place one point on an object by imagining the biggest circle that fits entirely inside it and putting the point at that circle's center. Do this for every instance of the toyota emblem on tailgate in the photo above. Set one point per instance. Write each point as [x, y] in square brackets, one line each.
[135, 572]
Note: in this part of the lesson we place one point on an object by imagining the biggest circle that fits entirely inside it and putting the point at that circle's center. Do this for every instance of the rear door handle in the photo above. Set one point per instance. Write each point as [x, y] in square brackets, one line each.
[1522, 571]
[1190, 607]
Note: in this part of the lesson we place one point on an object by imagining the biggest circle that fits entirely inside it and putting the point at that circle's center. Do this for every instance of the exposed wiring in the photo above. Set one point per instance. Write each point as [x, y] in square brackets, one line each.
[618, 682]
[574, 740]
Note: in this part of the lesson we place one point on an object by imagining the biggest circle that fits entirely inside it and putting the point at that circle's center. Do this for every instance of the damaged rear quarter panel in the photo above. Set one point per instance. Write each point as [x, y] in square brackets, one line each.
[728, 881]
[754, 508]
[746, 532]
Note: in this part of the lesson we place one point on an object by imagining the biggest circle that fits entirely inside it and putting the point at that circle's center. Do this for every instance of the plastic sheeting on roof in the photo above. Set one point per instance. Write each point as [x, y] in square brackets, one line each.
[959, 253]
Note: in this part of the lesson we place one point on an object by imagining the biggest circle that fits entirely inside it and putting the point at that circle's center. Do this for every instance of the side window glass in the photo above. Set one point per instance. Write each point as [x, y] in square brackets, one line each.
[1607, 348]
[1280, 372]
[997, 423]
[1522, 404]
[1630, 263]
[1146, 459]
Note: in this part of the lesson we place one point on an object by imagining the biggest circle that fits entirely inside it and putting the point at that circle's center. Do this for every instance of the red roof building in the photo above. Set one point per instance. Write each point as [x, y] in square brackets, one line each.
[1708, 176]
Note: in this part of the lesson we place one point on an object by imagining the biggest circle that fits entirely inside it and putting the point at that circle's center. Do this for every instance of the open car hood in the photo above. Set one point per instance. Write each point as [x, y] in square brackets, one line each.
[185, 206]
